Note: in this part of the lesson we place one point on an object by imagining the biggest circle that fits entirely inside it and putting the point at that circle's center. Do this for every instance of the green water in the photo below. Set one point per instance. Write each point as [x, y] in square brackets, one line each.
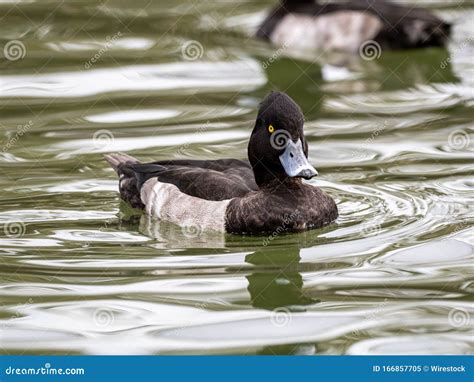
[392, 139]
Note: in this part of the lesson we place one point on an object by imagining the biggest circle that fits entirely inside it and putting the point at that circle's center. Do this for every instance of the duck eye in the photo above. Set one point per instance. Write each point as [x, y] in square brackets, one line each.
[271, 129]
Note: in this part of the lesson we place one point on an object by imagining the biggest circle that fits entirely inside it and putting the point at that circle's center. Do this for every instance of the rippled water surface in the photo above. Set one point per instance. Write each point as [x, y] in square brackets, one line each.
[392, 138]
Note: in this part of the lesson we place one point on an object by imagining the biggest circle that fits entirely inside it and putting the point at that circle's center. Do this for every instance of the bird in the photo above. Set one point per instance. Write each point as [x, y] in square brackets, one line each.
[352, 25]
[264, 194]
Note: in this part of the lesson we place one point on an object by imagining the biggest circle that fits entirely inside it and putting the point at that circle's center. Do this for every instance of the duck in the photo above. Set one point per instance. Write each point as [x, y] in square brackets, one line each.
[264, 194]
[352, 25]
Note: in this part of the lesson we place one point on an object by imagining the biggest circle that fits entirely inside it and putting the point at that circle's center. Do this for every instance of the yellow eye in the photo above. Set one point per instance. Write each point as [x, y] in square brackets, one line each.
[271, 129]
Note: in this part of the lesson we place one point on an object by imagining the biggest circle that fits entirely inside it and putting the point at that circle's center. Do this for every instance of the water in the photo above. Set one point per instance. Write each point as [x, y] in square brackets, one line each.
[83, 274]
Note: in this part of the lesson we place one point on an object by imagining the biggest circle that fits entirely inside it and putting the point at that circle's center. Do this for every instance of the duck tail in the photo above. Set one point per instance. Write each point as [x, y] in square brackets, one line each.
[118, 160]
[128, 184]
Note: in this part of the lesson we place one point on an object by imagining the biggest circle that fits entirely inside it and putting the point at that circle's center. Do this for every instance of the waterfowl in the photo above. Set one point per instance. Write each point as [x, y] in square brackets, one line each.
[347, 26]
[264, 194]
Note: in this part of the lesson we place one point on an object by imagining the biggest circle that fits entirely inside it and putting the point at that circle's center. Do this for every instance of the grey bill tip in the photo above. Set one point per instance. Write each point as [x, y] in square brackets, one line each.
[295, 163]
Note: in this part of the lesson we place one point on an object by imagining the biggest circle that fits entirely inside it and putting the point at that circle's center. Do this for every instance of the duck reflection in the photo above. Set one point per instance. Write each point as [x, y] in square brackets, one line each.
[275, 278]
[277, 282]
[169, 235]
[302, 79]
[351, 74]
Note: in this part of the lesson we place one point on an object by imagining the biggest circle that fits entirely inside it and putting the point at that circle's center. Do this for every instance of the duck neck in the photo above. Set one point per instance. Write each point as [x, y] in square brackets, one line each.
[267, 180]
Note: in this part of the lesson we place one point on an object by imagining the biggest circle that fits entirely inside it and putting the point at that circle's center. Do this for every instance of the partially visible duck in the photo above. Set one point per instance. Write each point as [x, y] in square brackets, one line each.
[348, 25]
[264, 194]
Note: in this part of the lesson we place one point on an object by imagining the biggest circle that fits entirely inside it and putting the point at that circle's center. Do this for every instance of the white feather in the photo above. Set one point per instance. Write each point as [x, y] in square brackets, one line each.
[342, 31]
[166, 202]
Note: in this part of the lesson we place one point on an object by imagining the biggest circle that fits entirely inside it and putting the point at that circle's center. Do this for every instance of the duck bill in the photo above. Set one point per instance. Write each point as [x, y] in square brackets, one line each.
[295, 163]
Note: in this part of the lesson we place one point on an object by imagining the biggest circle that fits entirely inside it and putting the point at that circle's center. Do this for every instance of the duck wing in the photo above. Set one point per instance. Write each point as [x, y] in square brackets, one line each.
[406, 27]
[236, 170]
[211, 180]
[205, 179]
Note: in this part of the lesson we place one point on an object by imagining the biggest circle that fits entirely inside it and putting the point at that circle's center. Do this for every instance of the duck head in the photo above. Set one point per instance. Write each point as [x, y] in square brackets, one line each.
[277, 147]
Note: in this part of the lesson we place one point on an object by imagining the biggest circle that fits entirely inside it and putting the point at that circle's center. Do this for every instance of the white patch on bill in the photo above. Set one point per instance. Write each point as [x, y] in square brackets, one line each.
[341, 31]
[166, 202]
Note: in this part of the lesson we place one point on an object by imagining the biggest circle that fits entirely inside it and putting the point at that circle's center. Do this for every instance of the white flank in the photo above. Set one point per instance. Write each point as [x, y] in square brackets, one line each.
[341, 31]
[166, 202]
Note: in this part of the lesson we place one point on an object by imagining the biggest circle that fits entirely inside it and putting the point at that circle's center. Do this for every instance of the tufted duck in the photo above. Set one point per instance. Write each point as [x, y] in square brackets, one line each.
[264, 194]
